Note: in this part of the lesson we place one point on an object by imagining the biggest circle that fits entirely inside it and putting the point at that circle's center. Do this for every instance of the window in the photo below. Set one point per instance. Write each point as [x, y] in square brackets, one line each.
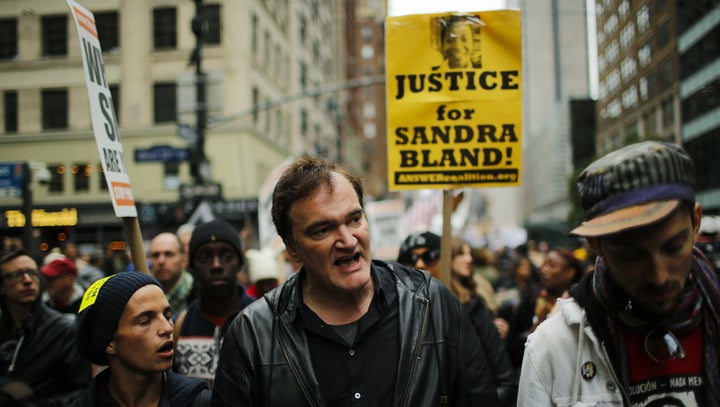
[630, 97]
[303, 122]
[628, 68]
[54, 35]
[211, 12]
[54, 109]
[369, 110]
[369, 130]
[81, 174]
[255, 103]
[650, 124]
[668, 112]
[367, 33]
[254, 39]
[643, 18]
[627, 36]
[367, 51]
[645, 55]
[164, 28]
[303, 32]
[303, 76]
[108, 32]
[266, 48]
[266, 112]
[57, 177]
[8, 38]
[643, 87]
[10, 103]
[165, 102]
[624, 8]
[665, 73]
[663, 35]
[611, 25]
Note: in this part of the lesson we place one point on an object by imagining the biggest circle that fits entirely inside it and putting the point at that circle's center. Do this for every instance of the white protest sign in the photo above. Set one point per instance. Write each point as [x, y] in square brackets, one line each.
[269, 239]
[104, 121]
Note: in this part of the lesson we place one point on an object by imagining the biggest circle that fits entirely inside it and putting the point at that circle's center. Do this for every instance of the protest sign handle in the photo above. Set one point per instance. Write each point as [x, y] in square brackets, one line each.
[135, 241]
[446, 242]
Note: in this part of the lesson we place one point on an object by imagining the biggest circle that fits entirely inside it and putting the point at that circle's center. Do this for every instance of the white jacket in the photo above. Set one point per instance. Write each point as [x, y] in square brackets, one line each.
[565, 365]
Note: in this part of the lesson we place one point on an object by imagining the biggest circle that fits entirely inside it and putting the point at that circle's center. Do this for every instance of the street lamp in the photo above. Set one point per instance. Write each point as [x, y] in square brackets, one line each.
[198, 162]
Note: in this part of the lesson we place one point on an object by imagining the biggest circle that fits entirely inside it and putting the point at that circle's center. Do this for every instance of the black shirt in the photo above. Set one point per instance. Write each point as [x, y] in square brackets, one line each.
[359, 372]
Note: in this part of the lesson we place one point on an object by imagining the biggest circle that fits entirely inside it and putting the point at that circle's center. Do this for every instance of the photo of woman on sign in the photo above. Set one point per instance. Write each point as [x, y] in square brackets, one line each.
[458, 40]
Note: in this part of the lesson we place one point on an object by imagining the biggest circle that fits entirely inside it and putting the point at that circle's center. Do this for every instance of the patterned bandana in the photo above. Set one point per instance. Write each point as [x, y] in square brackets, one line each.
[176, 295]
[700, 304]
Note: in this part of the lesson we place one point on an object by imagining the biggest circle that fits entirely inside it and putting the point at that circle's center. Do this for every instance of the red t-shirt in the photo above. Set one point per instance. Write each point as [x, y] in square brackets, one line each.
[677, 382]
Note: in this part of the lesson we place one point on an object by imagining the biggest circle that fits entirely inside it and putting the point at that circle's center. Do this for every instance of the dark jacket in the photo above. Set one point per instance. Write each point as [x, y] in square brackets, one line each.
[178, 391]
[265, 356]
[46, 357]
[498, 359]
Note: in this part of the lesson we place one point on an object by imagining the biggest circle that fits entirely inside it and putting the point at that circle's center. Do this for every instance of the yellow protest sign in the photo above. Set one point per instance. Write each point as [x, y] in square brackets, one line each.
[454, 97]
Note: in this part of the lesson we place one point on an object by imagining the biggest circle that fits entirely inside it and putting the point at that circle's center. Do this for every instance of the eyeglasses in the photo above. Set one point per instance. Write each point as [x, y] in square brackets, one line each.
[19, 274]
[429, 257]
[661, 346]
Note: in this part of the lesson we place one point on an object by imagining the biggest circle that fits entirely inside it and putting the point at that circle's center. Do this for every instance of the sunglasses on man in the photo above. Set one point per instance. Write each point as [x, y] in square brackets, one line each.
[429, 258]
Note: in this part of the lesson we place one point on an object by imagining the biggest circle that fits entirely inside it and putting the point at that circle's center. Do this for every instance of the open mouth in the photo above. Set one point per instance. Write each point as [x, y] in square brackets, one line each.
[347, 261]
[167, 349]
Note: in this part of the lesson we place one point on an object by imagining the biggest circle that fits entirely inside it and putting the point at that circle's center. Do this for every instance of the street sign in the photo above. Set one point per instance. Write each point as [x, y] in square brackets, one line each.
[161, 153]
[11, 179]
[211, 190]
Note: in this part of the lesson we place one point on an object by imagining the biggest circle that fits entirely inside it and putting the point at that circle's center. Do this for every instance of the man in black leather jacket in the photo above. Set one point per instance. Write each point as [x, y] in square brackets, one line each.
[347, 329]
[39, 361]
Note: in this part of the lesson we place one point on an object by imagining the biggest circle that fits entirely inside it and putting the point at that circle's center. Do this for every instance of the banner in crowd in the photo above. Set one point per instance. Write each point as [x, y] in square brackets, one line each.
[104, 122]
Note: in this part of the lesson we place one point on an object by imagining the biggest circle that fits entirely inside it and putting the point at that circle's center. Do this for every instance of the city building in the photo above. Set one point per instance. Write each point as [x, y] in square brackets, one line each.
[271, 67]
[659, 75]
[698, 25]
[558, 123]
[366, 63]
[637, 70]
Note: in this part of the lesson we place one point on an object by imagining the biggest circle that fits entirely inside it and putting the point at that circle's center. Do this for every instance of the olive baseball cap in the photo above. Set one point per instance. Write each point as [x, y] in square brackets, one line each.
[632, 187]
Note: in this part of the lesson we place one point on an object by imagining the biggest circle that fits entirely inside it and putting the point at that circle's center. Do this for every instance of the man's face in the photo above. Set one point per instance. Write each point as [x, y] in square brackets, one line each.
[425, 259]
[166, 259]
[555, 273]
[143, 341]
[652, 264]
[22, 289]
[332, 239]
[215, 266]
[56, 286]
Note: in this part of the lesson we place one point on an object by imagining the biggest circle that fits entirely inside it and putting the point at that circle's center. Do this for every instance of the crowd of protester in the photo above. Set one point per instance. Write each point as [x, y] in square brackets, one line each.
[89, 330]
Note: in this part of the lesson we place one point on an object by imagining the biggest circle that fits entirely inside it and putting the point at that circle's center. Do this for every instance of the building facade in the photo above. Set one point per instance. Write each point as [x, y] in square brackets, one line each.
[699, 76]
[637, 69]
[556, 79]
[268, 65]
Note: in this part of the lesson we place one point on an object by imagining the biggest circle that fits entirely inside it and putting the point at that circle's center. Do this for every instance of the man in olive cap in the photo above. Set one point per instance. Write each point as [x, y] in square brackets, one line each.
[642, 328]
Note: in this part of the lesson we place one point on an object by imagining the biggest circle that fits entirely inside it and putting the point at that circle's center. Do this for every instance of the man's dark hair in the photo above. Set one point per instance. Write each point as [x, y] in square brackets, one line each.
[8, 255]
[299, 181]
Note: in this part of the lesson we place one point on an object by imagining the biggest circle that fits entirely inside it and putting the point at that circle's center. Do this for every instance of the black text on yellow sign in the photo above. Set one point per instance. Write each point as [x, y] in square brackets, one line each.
[457, 121]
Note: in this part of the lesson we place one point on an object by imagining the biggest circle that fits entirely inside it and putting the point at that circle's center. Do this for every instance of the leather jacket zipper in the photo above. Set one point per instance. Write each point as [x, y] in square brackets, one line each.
[418, 343]
[293, 369]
